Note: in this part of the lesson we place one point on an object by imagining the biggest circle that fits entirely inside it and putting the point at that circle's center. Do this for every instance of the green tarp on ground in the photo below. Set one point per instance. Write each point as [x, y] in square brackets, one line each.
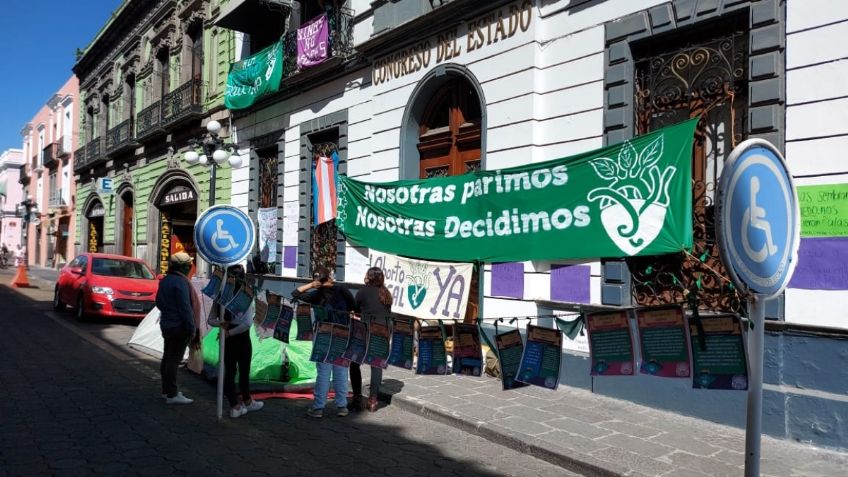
[267, 359]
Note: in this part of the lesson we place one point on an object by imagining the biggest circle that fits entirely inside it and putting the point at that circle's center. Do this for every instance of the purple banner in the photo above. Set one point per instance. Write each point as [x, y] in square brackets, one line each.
[821, 264]
[570, 283]
[508, 279]
[290, 256]
[312, 44]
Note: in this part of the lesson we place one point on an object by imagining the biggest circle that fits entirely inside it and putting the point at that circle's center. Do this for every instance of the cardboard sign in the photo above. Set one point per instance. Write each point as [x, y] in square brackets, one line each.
[321, 342]
[340, 335]
[610, 344]
[510, 349]
[377, 354]
[542, 358]
[402, 339]
[263, 321]
[722, 363]
[283, 326]
[467, 352]
[432, 356]
[357, 345]
[303, 316]
[214, 286]
[664, 343]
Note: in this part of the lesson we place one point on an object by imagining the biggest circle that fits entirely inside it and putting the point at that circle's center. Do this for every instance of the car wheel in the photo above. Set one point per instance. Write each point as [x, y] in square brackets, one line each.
[80, 309]
[57, 302]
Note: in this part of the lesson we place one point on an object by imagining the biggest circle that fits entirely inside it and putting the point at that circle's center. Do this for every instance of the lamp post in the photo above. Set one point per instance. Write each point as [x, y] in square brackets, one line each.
[26, 210]
[215, 148]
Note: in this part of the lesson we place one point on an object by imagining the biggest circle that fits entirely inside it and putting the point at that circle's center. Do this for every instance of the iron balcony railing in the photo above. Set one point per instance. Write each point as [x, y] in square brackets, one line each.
[340, 42]
[94, 152]
[184, 102]
[120, 138]
[149, 121]
[56, 199]
[79, 159]
[63, 146]
[49, 156]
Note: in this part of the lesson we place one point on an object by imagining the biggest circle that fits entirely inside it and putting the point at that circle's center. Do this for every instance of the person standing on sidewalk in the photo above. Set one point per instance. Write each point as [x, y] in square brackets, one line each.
[375, 300]
[338, 300]
[238, 353]
[177, 307]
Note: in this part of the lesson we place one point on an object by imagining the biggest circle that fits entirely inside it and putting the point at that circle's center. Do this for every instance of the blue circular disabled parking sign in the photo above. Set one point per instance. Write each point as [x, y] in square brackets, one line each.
[757, 218]
[224, 235]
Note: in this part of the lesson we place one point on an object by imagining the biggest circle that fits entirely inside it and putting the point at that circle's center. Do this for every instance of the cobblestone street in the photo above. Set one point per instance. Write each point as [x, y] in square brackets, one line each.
[76, 403]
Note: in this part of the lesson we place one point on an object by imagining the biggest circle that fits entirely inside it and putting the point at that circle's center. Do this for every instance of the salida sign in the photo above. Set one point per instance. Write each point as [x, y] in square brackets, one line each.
[425, 290]
[633, 198]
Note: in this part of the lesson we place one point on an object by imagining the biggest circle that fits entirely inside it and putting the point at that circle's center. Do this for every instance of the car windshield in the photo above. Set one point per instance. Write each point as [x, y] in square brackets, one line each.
[113, 267]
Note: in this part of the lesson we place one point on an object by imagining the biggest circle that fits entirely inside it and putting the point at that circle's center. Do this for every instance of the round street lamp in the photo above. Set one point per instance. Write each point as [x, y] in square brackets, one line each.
[214, 152]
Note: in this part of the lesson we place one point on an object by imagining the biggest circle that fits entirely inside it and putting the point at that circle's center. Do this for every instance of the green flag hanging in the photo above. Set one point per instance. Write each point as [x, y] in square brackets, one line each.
[633, 198]
[254, 77]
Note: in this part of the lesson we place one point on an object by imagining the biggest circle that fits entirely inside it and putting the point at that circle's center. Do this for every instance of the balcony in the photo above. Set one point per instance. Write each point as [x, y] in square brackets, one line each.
[35, 165]
[56, 200]
[182, 103]
[340, 47]
[120, 138]
[24, 177]
[50, 157]
[148, 122]
[63, 146]
[79, 159]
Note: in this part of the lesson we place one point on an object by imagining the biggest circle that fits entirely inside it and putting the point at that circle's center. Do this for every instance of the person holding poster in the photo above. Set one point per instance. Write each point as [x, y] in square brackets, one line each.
[339, 302]
[235, 327]
[374, 300]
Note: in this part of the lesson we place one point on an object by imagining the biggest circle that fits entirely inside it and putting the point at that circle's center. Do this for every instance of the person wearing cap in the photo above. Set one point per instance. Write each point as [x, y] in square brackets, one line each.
[178, 305]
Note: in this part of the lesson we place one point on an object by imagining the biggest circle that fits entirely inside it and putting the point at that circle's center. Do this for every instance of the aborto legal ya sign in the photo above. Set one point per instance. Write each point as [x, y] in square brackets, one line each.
[632, 198]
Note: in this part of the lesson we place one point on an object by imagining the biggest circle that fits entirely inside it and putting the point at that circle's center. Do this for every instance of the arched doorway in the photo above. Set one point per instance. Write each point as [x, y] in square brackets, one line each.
[443, 135]
[126, 230]
[93, 226]
[175, 202]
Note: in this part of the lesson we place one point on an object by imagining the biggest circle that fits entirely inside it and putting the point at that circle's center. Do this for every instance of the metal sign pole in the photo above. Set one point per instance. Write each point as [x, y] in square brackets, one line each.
[754, 425]
[221, 341]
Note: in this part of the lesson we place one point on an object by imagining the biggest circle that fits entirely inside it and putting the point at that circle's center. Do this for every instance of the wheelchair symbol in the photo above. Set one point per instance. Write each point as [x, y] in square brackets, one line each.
[754, 217]
[221, 234]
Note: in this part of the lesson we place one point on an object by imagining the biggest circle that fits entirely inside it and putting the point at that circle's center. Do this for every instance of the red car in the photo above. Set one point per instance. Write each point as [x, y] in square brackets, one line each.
[100, 284]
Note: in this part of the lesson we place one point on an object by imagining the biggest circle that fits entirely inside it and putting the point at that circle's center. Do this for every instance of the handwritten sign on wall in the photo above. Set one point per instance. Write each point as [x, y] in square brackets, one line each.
[824, 210]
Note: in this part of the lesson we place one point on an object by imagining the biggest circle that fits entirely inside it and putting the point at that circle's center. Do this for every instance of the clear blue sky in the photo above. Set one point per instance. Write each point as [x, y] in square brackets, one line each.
[38, 39]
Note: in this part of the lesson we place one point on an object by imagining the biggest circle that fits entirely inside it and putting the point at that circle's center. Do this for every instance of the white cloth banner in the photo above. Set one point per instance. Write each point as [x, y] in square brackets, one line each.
[268, 234]
[290, 219]
[423, 289]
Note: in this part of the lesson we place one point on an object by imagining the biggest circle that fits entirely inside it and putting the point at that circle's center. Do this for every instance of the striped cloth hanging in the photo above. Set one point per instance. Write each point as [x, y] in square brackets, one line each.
[324, 184]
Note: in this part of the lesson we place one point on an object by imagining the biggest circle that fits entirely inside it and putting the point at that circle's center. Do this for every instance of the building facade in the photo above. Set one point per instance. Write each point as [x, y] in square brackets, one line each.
[153, 76]
[415, 89]
[48, 145]
[11, 195]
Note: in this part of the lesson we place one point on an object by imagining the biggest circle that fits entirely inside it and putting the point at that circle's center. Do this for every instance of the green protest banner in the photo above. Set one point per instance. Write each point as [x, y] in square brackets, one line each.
[254, 77]
[824, 210]
[633, 198]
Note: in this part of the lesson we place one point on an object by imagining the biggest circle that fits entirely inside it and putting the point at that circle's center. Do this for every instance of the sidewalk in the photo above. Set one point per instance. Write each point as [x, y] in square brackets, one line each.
[595, 435]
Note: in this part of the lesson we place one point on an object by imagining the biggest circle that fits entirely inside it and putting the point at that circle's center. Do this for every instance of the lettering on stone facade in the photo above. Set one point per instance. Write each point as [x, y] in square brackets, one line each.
[478, 33]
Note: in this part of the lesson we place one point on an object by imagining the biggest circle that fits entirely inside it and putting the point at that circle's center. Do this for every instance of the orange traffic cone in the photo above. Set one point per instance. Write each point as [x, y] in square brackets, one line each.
[21, 280]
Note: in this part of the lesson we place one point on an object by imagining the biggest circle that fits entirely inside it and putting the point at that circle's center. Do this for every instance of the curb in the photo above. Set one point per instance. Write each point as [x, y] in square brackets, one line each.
[580, 463]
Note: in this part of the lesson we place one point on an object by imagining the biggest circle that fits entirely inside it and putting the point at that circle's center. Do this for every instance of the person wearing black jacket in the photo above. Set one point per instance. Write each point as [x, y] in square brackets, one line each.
[339, 302]
[374, 300]
[176, 320]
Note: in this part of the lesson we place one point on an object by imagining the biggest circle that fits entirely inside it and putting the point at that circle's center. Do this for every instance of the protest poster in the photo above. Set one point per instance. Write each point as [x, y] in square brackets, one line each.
[432, 356]
[358, 343]
[241, 301]
[542, 357]
[423, 289]
[610, 343]
[303, 316]
[721, 363]
[263, 321]
[214, 286]
[510, 349]
[340, 335]
[402, 338]
[312, 42]
[379, 332]
[321, 342]
[467, 351]
[227, 291]
[283, 326]
[663, 342]
[267, 221]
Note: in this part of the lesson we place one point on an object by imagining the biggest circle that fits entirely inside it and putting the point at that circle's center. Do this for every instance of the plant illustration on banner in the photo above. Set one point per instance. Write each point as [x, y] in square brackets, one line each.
[634, 203]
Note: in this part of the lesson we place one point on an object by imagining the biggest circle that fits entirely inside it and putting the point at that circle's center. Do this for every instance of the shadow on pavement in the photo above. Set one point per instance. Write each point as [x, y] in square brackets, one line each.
[69, 406]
